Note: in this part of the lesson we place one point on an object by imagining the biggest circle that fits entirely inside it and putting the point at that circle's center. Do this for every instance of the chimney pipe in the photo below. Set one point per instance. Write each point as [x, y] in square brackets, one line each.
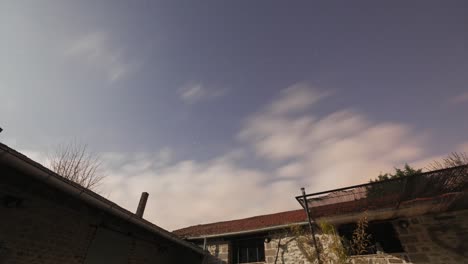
[142, 204]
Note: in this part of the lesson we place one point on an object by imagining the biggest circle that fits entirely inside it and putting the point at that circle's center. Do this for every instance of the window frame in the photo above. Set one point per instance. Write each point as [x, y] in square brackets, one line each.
[379, 231]
[238, 244]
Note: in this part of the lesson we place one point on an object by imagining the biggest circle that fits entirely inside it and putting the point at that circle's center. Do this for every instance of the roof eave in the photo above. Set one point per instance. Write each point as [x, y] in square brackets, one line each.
[38, 171]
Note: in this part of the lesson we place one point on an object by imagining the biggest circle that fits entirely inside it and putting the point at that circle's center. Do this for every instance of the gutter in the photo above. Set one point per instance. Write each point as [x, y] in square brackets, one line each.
[41, 173]
[246, 232]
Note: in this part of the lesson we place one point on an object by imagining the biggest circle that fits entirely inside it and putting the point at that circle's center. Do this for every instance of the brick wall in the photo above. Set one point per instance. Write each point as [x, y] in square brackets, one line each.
[50, 227]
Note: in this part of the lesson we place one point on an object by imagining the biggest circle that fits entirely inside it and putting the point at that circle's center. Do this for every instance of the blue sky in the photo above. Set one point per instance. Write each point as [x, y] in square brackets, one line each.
[238, 103]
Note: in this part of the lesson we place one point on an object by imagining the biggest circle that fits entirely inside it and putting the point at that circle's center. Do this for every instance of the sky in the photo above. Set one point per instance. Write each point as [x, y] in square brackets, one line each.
[225, 109]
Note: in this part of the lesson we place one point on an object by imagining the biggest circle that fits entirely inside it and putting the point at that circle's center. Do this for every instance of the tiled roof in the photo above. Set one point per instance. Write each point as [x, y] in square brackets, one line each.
[246, 224]
[446, 187]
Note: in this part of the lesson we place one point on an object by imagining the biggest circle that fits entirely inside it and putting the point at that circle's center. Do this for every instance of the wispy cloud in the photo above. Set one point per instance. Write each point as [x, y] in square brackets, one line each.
[97, 51]
[194, 92]
[463, 147]
[426, 160]
[318, 152]
[342, 147]
[302, 149]
[200, 188]
[296, 98]
[460, 98]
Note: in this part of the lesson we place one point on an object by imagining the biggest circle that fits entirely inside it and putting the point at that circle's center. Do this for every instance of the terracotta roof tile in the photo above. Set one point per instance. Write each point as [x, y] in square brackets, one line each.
[251, 223]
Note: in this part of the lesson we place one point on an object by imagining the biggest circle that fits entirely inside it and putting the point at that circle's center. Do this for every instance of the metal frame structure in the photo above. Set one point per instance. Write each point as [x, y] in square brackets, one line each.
[309, 221]
[446, 185]
[392, 192]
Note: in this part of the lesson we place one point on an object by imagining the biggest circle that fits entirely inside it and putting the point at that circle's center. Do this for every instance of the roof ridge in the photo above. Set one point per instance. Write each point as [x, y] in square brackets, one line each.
[239, 219]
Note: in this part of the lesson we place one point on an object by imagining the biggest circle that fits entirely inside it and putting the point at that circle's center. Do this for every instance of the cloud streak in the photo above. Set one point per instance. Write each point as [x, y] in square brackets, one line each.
[300, 148]
[340, 148]
[96, 51]
[195, 92]
[303, 149]
[460, 98]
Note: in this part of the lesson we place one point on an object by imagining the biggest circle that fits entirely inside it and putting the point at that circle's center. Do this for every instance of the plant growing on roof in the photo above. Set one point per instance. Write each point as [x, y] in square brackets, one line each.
[458, 180]
[384, 189]
[454, 159]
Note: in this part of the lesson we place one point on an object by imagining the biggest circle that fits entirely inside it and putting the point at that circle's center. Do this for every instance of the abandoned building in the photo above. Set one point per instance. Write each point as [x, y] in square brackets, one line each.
[417, 219]
[48, 219]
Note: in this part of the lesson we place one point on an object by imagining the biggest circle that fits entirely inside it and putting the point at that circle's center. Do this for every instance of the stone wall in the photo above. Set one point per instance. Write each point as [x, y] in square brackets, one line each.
[40, 224]
[429, 239]
[437, 238]
[283, 249]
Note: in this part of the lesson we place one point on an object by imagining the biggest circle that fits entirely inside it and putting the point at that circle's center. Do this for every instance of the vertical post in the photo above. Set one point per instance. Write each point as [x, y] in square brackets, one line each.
[142, 204]
[309, 220]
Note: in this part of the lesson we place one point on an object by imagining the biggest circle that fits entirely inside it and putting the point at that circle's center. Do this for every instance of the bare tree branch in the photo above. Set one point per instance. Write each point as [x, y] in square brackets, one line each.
[76, 163]
[454, 159]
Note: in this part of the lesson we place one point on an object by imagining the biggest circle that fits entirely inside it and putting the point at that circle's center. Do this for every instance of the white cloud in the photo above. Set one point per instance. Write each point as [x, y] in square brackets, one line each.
[318, 152]
[97, 51]
[37, 156]
[195, 92]
[296, 98]
[191, 192]
[327, 151]
[425, 161]
[463, 147]
[460, 98]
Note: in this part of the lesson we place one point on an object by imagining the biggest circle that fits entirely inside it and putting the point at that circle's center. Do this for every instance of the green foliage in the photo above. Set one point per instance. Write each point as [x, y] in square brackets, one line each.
[361, 240]
[406, 171]
[330, 244]
[304, 242]
[336, 251]
[381, 191]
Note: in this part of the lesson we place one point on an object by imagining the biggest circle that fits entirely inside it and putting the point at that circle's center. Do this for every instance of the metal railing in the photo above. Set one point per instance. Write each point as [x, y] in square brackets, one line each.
[449, 186]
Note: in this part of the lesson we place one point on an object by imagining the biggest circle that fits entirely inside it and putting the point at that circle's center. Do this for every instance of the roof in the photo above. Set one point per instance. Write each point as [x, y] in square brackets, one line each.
[447, 186]
[35, 169]
[246, 224]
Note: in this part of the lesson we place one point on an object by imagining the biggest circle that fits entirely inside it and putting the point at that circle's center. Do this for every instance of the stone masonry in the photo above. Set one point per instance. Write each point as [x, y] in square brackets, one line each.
[428, 239]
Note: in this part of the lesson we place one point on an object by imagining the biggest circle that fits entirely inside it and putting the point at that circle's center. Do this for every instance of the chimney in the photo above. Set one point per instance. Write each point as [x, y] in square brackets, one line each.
[142, 204]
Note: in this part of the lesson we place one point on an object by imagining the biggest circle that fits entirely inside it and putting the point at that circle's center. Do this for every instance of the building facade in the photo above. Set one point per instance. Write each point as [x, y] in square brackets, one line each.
[420, 219]
[48, 219]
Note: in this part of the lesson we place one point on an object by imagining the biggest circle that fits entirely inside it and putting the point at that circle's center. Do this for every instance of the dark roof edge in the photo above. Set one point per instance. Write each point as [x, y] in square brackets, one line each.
[49, 177]
[378, 182]
[246, 232]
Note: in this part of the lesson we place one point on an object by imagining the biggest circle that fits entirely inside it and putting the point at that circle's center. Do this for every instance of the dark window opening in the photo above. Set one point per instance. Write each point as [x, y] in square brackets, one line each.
[248, 250]
[383, 238]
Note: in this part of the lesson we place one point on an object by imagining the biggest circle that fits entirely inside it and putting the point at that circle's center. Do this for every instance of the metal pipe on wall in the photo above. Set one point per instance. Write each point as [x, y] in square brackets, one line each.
[306, 207]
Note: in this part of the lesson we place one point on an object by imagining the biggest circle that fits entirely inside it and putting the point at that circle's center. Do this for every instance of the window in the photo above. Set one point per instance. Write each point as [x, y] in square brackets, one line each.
[383, 237]
[247, 250]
